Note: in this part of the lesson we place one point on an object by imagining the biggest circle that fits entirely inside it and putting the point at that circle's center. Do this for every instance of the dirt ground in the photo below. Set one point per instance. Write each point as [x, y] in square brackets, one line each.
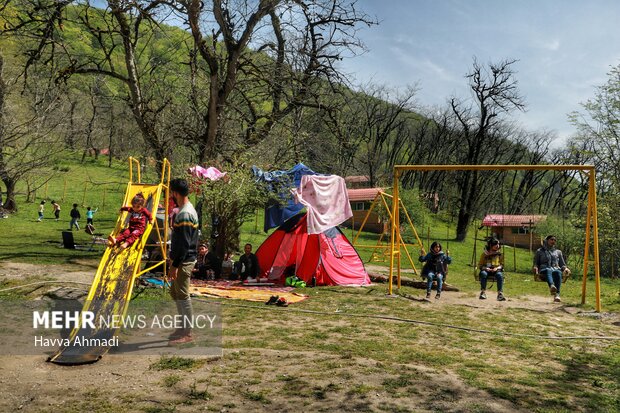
[245, 379]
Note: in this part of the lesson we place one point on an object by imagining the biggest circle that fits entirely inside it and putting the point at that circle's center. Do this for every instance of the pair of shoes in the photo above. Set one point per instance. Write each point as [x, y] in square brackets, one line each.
[282, 302]
[483, 296]
[272, 300]
[428, 295]
[553, 289]
[179, 332]
[438, 296]
[557, 299]
[184, 339]
[500, 296]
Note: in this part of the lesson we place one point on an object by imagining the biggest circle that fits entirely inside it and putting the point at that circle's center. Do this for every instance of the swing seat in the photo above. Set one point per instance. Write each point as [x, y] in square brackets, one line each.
[490, 277]
[565, 276]
[445, 275]
[376, 258]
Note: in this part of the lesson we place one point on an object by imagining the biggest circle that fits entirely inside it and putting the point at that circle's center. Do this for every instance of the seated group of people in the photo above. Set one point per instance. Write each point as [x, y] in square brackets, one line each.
[210, 267]
[548, 262]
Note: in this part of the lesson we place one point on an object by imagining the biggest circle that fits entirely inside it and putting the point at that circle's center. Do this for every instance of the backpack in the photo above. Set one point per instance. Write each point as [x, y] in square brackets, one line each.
[295, 282]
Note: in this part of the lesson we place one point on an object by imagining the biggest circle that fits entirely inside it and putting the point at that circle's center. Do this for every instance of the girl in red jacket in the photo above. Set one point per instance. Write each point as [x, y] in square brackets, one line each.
[139, 217]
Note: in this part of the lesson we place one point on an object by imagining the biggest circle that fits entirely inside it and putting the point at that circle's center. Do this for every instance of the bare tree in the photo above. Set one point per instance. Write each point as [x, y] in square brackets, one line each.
[298, 44]
[27, 143]
[495, 93]
[120, 35]
[599, 126]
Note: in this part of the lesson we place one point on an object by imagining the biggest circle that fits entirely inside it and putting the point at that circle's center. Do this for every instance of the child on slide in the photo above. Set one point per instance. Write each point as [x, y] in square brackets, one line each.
[139, 216]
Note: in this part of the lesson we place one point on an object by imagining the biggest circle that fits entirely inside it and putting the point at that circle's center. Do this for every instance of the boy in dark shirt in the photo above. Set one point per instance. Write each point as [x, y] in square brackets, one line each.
[75, 216]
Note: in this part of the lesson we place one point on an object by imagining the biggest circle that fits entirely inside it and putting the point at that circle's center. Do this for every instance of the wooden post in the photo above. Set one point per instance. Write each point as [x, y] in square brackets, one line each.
[473, 255]
[514, 254]
[256, 222]
[64, 191]
[84, 194]
[428, 238]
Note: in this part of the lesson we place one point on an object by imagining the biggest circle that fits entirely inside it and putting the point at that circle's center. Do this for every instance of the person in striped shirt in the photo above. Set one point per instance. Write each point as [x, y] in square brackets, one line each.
[183, 247]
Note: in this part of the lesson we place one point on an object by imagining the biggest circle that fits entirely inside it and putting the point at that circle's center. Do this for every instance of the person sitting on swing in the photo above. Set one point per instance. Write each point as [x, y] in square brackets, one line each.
[434, 269]
[550, 263]
[492, 263]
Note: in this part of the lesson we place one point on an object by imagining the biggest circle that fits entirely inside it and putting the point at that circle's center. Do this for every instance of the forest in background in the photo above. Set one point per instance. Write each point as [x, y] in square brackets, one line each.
[238, 83]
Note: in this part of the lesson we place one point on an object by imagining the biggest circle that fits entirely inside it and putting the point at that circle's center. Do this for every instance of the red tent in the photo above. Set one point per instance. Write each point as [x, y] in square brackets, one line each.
[328, 256]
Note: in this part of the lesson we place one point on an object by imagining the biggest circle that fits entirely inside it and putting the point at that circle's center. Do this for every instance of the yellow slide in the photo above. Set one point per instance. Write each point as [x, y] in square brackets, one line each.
[110, 292]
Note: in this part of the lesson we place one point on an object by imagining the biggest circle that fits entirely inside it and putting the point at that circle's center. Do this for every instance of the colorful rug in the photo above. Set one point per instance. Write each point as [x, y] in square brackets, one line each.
[236, 290]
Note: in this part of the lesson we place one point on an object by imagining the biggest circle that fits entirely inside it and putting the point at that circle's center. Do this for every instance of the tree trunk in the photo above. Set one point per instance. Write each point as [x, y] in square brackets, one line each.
[462, 224]
[464, 212]
[10, 204]
[209, 138]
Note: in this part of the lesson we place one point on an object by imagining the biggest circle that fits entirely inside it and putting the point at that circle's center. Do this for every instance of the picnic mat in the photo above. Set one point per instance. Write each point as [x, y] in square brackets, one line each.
[236, 290]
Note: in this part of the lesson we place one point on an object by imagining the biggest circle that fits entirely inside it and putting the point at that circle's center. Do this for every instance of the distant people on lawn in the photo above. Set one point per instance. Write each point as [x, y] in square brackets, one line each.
[434, 268]
[549, 262]
[492, 263]
[41, 208]
[56, 207]
[75, 216]
[139, 217]
[247, 266]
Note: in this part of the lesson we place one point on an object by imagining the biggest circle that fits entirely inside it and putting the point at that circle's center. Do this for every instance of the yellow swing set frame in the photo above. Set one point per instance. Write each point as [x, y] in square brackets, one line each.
[591, 218]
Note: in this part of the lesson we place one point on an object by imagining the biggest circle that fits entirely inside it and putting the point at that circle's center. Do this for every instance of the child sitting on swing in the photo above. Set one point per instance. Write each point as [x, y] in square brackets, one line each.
[434, 268]
[492, 263]
[139, 216]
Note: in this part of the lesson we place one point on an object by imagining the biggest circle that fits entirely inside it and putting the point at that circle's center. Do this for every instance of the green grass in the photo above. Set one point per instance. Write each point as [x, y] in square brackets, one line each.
[171, 380]
[177, 363]
[256, 396]
[89, 184]
[534, 374]
[195, 394]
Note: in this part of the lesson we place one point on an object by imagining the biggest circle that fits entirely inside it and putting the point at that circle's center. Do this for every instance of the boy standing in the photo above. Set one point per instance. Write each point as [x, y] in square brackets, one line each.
[183, 256]
[75, 216]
